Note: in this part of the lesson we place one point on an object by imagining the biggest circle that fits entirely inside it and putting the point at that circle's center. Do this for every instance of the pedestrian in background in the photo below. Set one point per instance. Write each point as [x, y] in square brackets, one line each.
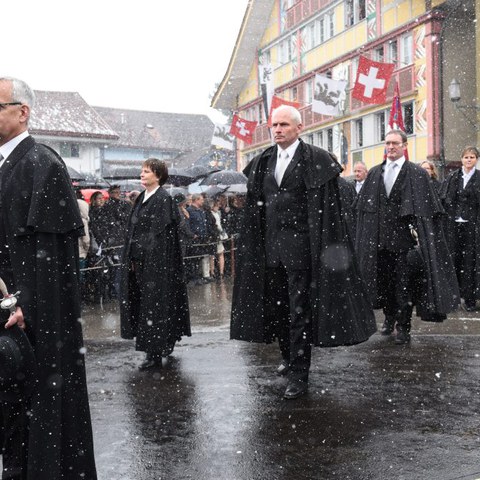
[360, 172]
[153, 300]
[431, 169]
[47, 436]
[460, 194]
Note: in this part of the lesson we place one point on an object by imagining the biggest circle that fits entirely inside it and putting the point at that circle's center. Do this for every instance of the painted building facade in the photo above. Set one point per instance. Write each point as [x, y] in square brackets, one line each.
[300, 38]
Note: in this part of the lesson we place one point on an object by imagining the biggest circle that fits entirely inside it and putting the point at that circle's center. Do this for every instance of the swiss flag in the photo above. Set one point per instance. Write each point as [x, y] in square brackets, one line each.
[372, 81]
[243, 129]
[276, 102]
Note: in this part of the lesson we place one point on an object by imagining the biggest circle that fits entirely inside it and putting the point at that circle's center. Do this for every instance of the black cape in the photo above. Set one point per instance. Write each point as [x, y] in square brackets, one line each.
[341, 312]
[437, 293]
[448, 194]
[42, 224]
[162, 317]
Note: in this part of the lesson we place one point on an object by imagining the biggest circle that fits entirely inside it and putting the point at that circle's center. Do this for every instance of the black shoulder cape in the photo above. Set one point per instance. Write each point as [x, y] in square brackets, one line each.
[341, 311]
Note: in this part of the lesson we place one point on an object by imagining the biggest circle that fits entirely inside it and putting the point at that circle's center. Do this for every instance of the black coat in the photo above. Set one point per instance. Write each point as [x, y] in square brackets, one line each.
[341, 311]
[419, 204]
[42, 223]
[162, 317]
[452, 199]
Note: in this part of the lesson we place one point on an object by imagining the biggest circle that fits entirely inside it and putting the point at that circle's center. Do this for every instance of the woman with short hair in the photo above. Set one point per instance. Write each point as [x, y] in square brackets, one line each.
[153, 295]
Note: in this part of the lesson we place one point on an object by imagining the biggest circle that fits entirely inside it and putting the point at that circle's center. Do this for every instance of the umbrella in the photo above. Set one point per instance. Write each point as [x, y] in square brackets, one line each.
[201, 171]
[224, 177]
[237, 188]
[179, 177]
[176, 191]
[74, 175]
[215, 190]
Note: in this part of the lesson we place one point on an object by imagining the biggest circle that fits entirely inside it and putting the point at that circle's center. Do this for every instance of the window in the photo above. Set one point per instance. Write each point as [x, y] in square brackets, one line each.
[330, 139]
[294, 94]
[308, 92]
[392, 52]
[70, 150]
[406, 51]
[354, 12]
[284, 51]
[358, 133]
[380, 127]
[318, 139]
[408, 118]
[378, 54]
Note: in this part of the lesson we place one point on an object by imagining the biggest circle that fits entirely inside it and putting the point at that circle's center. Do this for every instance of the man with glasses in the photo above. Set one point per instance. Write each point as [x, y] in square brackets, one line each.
[47, 436]
[396, 203]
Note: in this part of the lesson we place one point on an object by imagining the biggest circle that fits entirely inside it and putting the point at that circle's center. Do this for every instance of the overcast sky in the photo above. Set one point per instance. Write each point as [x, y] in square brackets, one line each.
[157, 55]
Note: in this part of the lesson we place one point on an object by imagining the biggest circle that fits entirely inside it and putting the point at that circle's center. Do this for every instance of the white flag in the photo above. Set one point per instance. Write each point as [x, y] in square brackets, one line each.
[265, 74]
[328, 95]
[222, 137]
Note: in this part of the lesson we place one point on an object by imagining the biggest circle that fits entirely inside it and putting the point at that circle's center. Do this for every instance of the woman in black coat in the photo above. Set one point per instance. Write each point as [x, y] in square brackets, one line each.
[460, 194]
[153, 295]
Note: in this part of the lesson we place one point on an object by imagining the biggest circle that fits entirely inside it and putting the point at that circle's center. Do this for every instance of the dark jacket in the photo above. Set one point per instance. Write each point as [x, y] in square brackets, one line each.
[464, 202]
[412, 201]
[115, 215]
[341, 312]
[41, 222]
[161, 317]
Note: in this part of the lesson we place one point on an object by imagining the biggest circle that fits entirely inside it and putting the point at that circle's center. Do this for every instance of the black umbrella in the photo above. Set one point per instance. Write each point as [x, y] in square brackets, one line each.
[74, 175]
[201, 171]
[214, 191]
[176, 191]
[179, 177]
[224, 177]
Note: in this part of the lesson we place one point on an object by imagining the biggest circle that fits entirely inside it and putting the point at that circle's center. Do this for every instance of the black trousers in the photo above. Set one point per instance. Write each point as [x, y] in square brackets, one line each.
[288, 301]
[464, 259]
[395, 287]
[15, 439]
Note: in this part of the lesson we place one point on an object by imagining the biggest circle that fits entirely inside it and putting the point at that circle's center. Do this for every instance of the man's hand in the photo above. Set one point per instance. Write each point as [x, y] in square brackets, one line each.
[16, 318]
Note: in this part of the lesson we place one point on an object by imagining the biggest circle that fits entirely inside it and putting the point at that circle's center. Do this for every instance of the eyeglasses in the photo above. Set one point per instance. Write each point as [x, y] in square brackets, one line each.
[3, 106]
[395, 144]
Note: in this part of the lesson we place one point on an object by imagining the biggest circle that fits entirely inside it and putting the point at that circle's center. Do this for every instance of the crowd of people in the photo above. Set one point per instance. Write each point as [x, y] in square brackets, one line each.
[208, 227]
[314, 256]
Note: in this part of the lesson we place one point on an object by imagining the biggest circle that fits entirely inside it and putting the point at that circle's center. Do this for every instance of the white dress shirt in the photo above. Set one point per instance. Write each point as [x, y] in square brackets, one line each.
[149, 194]
[10, 146]
[282, 165]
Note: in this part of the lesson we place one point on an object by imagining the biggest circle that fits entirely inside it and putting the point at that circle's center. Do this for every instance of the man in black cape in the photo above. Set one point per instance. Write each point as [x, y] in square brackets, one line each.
[48, 436]
[296, 276]
[398, 272]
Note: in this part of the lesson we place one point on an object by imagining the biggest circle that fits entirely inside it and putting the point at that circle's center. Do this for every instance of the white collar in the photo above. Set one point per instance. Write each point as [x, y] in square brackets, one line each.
[12, 144]
[149, 194]
[399, 162]
[469, 174]
[290, 150]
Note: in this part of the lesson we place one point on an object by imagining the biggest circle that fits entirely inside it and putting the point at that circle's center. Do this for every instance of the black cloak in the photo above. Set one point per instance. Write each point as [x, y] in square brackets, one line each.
[449, 196]
[437, 293]
[341, 312]
[162, 317]
[42, 223]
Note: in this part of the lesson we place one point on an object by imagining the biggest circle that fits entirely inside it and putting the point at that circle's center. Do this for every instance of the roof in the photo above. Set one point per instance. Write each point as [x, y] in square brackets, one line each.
[253, 26]
[157, 130]
[67, 114]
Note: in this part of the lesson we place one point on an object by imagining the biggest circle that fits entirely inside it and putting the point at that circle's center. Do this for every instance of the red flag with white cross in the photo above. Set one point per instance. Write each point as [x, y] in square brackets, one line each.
[372, 81]
[277, 102]
[243, 129]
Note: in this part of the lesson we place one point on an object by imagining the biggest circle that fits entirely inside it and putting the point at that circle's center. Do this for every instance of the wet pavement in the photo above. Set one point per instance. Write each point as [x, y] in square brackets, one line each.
[215, 411]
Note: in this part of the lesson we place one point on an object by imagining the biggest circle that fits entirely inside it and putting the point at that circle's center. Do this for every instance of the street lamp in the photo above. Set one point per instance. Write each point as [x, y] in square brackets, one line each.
[454, 94]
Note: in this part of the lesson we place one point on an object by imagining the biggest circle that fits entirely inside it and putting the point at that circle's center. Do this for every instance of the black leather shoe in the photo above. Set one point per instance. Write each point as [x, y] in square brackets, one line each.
[283, 368]
[388, 326]
[148, 364]
[402, 338]
[295, 389]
